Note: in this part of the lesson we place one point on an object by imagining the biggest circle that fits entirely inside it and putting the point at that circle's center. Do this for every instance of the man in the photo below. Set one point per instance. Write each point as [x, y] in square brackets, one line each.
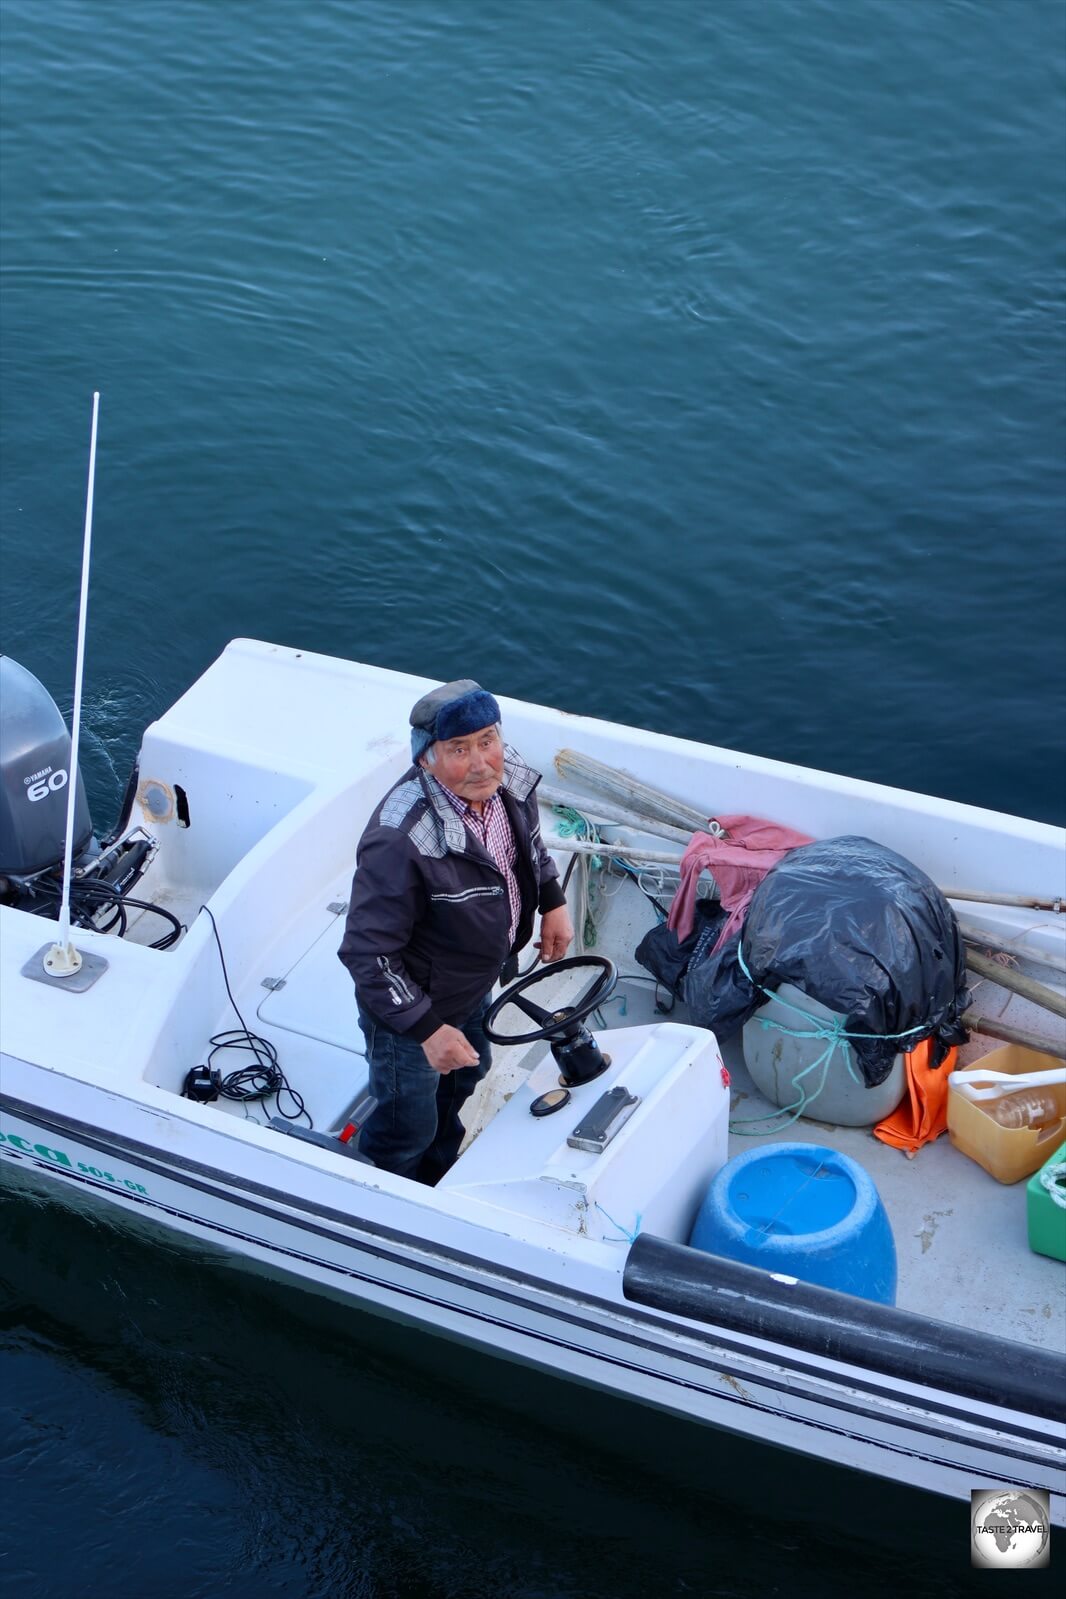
[449, 873]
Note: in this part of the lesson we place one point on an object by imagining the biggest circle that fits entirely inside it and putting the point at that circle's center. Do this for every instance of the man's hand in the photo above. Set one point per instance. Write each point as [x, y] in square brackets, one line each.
[556, 934]
[447, 1049]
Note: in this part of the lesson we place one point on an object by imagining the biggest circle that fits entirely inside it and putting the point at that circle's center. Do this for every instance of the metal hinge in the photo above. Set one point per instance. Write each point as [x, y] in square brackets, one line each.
[273, 983]
[337, 906]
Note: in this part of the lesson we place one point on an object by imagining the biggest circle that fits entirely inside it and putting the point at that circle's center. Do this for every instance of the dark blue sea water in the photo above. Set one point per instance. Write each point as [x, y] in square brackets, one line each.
[699, 364]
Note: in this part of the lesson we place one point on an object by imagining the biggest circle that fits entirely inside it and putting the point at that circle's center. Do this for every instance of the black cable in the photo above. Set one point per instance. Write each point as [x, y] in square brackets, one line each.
[107, 896]
[126, 808]
[637, 977]
[644, 977]
[265, 1079]
[630, 871]
[86, 890]
[119, 920]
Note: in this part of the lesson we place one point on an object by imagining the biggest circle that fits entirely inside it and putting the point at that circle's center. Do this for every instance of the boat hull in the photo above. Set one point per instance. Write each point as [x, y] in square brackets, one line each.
[710, 1376]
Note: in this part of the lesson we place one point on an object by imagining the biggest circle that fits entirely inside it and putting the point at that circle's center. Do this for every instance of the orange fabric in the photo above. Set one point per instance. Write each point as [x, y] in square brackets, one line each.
[923, 1114]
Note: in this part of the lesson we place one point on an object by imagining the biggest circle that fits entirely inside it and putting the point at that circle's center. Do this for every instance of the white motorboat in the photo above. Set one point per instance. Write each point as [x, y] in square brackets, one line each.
[560, 1241]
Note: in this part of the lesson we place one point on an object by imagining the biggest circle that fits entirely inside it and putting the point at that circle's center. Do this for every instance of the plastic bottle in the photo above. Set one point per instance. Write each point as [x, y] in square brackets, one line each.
[1027, 1107]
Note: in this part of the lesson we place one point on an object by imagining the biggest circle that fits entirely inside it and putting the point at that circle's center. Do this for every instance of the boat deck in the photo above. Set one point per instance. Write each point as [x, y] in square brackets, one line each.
[961, 1236]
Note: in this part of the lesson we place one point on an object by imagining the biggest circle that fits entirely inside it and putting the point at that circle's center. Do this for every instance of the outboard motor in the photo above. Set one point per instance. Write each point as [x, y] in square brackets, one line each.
[35, 750]
[34, 773]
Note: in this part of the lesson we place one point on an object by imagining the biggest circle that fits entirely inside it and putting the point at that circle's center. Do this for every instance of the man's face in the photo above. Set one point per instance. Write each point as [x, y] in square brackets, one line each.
[471, 766]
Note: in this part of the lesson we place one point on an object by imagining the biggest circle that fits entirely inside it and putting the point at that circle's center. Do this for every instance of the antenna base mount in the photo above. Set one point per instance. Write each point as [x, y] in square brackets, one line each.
[75, 979]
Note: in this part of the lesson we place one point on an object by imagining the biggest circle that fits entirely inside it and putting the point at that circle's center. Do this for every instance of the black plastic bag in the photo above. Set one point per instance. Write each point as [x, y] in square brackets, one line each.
[857, 927]
[668, 958]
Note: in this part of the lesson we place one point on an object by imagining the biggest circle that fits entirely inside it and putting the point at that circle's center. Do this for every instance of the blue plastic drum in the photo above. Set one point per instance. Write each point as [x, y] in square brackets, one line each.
[805, 1211]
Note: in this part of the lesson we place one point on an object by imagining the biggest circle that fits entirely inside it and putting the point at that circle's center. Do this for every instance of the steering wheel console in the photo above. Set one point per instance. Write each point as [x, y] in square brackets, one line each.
[577, 1053]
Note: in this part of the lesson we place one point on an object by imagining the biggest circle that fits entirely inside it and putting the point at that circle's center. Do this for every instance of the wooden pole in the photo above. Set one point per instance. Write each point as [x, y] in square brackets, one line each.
[1027, 987]
[633, 852]
[651, 802]
[1039, 957]
[992, 1027]
[1026, 902]
[601, 810]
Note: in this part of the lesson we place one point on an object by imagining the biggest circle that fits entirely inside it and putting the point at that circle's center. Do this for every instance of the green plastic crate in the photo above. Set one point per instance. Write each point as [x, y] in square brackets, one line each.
[1047, 1221]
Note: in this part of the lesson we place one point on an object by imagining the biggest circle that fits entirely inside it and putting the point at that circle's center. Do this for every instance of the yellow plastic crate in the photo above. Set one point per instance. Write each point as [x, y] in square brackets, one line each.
[1008, 1153]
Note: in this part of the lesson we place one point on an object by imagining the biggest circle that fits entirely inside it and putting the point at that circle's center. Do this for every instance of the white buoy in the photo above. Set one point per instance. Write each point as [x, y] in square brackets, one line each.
[63, 960]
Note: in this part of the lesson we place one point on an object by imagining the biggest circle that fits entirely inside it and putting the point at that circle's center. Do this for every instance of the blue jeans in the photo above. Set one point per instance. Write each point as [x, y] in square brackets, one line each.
[414, 1129]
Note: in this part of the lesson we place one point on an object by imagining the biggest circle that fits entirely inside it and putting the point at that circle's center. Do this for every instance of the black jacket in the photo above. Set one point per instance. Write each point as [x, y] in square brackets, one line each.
[428, 920]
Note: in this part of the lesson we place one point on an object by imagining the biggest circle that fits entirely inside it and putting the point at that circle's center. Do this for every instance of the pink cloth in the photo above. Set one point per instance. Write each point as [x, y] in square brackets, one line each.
[738, 865]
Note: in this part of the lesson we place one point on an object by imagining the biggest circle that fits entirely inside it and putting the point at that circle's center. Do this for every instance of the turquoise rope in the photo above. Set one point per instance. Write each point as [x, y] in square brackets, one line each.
[623, 1235]
[836, 1037]
[572, 824]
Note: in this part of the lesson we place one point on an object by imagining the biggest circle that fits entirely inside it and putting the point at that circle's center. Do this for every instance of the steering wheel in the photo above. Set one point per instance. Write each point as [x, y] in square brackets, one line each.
[552, 1024]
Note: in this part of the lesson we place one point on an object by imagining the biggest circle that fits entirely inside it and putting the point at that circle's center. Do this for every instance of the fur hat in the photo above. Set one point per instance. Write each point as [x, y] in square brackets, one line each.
[449, 712]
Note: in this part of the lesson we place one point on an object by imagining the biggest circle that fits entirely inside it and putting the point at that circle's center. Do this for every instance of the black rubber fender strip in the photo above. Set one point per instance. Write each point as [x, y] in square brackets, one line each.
[841, 1327]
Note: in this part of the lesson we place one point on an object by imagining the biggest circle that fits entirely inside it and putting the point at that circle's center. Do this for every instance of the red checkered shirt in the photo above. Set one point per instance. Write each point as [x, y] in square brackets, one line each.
[493, 829]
